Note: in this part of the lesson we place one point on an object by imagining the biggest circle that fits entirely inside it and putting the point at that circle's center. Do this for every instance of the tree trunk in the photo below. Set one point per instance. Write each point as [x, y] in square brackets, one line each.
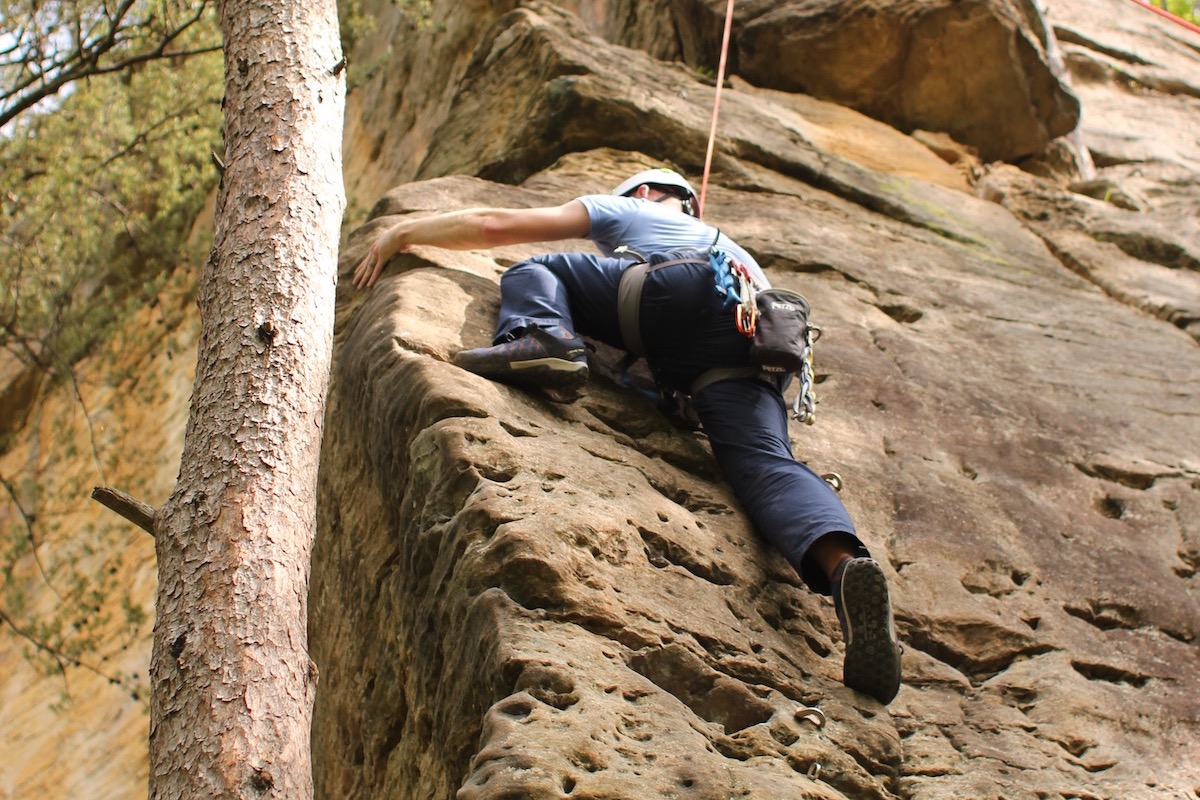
[232, 683]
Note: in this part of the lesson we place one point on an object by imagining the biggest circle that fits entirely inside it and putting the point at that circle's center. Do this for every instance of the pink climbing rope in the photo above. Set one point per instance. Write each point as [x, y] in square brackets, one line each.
[1162, 12]
[712, 133]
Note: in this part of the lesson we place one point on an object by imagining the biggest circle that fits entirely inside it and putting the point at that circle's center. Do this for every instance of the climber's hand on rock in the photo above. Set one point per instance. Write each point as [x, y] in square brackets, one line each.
[389, 243]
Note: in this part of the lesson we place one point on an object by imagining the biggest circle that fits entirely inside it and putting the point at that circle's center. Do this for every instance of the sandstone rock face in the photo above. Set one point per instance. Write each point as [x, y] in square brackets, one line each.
[79, 731]
[516, 596]
[521, 598]
[975, 69]
[1142, 246]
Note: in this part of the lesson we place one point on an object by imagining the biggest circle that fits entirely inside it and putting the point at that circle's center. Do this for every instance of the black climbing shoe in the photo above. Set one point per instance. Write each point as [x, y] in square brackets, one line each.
[552, 357]
[860, 597]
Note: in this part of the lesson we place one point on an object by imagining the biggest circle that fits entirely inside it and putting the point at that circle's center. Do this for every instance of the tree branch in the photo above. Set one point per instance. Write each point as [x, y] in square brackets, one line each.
[84, 60]
[63, 660]
[132, 509]
[29, 518]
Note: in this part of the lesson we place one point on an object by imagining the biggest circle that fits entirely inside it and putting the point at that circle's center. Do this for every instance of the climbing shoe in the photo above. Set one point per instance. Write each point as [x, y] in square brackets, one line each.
[551, 357]
[860, 597]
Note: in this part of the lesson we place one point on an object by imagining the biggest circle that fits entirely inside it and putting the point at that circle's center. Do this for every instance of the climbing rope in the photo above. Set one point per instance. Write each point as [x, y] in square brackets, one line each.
[1162, 12]
[712, 132]
[747, 311]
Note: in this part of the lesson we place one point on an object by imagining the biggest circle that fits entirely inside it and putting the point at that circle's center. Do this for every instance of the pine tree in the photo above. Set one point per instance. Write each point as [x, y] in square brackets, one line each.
[232, 685]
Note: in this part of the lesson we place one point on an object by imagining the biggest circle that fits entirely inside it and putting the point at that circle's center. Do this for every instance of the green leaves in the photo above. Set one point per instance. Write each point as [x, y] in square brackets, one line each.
[45, 47]
[100, 186]
[98, 197]
[1185, 9]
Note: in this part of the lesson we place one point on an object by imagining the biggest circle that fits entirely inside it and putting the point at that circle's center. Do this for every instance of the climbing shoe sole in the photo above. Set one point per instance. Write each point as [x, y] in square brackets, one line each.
[872, 664]
[555, 373]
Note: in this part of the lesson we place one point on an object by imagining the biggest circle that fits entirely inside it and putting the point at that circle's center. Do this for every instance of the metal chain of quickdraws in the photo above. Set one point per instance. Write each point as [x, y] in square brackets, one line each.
[805, 407]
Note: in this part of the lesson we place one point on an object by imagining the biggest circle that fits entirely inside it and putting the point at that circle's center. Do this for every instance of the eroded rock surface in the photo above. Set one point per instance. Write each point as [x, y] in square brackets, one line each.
[520, 598]
[979, 69]
[516, 596]
[976, 69]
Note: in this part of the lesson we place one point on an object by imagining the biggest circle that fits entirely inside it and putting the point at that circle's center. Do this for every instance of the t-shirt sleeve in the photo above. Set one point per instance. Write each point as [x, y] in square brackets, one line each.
[609, 218]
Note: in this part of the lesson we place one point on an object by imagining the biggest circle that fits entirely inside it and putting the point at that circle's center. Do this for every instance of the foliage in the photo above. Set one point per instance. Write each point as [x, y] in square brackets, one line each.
[355, 23]
[98, 195]
[109, 113]
[48, 46]
[82, 585]
[1185, 9]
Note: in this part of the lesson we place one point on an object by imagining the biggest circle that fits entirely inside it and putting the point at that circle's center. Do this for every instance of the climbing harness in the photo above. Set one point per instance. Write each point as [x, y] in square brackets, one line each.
[794, 339]
[775, 320]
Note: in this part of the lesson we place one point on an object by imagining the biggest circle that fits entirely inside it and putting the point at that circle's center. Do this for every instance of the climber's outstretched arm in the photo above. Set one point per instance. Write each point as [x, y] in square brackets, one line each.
[474, 229]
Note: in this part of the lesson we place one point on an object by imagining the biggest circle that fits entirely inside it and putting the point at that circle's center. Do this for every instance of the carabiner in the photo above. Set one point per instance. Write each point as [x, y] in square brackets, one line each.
[813, 714]
[747, 319]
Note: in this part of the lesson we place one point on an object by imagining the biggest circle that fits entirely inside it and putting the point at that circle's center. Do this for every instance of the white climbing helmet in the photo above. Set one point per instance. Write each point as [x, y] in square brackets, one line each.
[661, 177]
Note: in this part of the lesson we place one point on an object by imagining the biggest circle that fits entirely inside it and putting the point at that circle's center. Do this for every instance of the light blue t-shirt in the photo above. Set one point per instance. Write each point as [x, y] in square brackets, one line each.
[647, 227]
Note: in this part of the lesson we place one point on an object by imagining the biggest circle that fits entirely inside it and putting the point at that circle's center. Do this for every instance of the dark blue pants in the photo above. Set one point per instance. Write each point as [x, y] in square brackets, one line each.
[687, 330]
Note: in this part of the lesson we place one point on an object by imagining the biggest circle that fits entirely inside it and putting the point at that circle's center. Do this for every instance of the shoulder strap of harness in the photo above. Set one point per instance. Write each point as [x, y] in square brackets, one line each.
[629, 308]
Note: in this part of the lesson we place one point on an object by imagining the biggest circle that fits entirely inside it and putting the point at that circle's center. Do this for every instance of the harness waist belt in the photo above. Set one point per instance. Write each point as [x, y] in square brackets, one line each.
[629, 318]
[629, 301]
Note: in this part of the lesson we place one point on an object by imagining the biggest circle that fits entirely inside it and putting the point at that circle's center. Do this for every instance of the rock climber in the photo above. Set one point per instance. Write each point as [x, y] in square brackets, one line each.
[549, 301]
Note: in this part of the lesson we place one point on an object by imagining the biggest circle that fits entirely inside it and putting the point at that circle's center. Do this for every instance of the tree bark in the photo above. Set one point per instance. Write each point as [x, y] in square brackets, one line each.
[232, 683]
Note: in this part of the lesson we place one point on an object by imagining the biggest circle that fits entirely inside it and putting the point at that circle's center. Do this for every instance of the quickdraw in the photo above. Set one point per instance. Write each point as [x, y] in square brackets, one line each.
[805, 407]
